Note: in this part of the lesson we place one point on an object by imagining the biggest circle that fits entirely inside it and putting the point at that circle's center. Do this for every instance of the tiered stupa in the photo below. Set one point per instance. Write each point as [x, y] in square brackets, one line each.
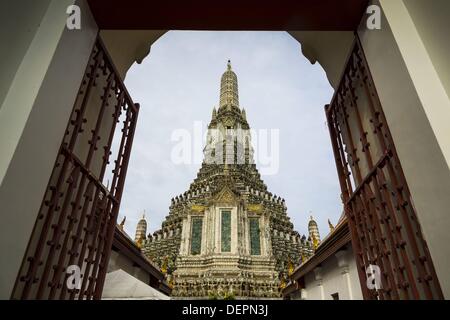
[227, 236]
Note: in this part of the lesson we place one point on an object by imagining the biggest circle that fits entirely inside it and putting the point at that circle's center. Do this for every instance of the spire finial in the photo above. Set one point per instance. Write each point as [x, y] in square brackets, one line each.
[229, 64]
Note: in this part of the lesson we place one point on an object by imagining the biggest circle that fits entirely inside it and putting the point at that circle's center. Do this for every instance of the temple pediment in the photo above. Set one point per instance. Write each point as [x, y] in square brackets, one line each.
[226, 196]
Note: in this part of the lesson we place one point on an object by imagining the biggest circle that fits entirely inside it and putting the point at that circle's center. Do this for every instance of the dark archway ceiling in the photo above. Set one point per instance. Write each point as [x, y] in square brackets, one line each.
[342, 15]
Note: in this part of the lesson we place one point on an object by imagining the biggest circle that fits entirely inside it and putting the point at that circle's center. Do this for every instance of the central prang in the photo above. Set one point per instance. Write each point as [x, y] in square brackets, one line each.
[227, 236]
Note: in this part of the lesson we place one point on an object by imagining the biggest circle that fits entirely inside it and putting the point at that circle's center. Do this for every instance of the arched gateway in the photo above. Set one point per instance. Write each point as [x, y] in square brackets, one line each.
[384, 191]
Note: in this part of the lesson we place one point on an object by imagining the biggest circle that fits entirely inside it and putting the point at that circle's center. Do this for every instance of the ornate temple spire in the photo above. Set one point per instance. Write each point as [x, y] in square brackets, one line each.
[313, 229]
[141, 230]
[229, 89]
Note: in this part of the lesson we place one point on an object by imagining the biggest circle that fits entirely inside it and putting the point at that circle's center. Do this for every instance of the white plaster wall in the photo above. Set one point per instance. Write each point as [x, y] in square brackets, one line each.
[433, 24]
[355, 284]
[44, 88]
[334, 280]
[28, 77]
[118, 261]
[22, 16]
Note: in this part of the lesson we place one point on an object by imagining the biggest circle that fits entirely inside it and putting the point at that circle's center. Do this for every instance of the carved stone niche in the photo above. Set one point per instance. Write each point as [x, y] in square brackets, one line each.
[318, 274]
[342, 260]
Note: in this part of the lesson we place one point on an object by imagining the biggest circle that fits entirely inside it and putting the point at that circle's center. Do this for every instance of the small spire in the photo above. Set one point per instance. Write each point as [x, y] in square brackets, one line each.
[122, 224]
[313, 229]
[228, 89]
[141, 231]
[214, 113]
[330, 226]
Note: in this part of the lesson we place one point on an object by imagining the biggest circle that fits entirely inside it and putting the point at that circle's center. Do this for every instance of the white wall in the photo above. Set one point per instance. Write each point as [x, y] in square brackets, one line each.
[29, 74]
[23, 17]
[433, 24]
[119, 261]
[333, 278]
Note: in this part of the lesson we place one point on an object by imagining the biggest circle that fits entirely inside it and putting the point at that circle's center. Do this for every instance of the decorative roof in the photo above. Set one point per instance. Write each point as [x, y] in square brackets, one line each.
[119, 285]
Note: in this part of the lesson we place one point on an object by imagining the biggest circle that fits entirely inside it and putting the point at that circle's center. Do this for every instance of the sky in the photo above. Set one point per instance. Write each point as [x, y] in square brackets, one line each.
[177, 85]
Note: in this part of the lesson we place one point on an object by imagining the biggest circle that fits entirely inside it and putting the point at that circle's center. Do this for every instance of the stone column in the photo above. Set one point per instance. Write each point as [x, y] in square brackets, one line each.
[246, 234]
[264, 235]
[184, 249]
[234, 230]
[217, 233]
[203, 249]
[318, 277]
[343, 265]
[209, 239]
